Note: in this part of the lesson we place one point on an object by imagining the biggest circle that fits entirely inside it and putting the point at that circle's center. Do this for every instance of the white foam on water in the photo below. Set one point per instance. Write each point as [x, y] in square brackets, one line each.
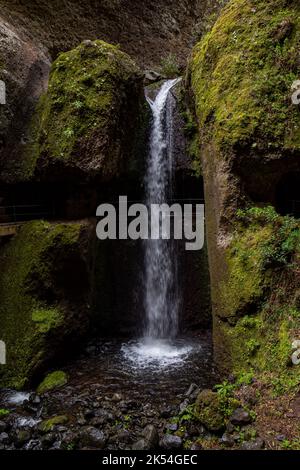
[27, 422]
[17, 398]
[157, 354]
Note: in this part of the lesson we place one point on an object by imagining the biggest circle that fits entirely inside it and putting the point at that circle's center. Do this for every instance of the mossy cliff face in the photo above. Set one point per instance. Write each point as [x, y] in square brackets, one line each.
[242, 72]
[241, 75]
[260, 294]
[45, 295]
[84, 125]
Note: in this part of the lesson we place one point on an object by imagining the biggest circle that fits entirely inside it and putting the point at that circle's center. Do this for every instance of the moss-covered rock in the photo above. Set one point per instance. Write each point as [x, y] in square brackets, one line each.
[48, 424]
[208, 410]
[242, 73]
[214, 408]
[45, 295]
[260, 294]
[53, 380]
[85, 124]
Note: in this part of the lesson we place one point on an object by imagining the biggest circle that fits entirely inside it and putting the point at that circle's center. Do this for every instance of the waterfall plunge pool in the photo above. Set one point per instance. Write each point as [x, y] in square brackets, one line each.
[159, 354]
[119, 387]
[157, 372]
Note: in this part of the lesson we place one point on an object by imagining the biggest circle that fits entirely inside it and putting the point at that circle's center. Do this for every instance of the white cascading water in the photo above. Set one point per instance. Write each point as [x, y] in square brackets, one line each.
[159, 348]
[161, 303]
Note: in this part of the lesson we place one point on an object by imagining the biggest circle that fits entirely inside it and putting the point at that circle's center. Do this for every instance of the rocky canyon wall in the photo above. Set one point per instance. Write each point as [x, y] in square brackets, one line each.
[241, 75]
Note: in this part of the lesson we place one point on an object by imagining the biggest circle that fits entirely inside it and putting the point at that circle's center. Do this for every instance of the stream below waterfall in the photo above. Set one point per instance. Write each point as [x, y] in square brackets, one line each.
[117, 395]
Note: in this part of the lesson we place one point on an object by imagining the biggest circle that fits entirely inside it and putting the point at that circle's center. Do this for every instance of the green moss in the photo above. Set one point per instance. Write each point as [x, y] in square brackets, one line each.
[46, 319]
[264, 349]
[208, 409]
[49, 424]
[259, 294]
[27, 320]
[242, 72]
[245, 282]
[54, 380]
[86, 87]
[262, 243]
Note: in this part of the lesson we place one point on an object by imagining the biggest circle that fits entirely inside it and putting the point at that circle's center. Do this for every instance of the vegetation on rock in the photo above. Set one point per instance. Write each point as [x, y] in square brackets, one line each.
[242, 72]
[261, 294]
[213, 409]
[35, 316]
[49, 424]
[53, 380]
[208, 410]
[79, 120]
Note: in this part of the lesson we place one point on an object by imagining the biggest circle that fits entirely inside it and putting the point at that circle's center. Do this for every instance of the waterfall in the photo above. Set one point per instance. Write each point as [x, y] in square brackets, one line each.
[160, 348]
[161, 300]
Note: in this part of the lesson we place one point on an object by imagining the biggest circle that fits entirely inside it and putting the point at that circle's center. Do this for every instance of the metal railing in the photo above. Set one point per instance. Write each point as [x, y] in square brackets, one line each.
[22, 213]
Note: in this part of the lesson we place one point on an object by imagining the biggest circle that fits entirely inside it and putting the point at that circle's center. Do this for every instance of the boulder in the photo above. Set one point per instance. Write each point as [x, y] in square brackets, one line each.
[255, 444]
[240, 417]
[53, 380]
[48, 425]
[92, 437]
[151, 436]
[227, 440]
[170, 442]
[142, 444]
[208, 410]
[151, 76]
[24, 68]
[49, 301]
[21, 437]
[78, 130]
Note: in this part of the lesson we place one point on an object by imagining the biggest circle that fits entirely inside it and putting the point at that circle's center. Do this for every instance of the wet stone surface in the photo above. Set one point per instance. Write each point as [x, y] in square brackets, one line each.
[112, 401]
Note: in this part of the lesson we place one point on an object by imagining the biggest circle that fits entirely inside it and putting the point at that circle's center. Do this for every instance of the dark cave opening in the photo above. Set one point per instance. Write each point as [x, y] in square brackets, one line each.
[188, 187]
[60, 200]
[288, 194]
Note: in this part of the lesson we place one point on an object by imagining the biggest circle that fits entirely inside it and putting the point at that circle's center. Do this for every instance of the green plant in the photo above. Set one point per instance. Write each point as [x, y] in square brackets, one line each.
[78, 104]
[278, 249]
[290, 445]
[4, 412]
[284, 383]
[245, 378]
[70, 446]
[187, 444]
[126, 420]
[225, 390]
[252, 346]
[227, 401]
[188, 414]
[68, 132]
[123, 422]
